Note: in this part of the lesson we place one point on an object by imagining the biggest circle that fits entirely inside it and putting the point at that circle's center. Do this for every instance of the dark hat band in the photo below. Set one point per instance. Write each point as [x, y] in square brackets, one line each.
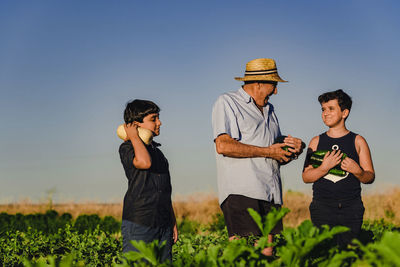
[261, 72]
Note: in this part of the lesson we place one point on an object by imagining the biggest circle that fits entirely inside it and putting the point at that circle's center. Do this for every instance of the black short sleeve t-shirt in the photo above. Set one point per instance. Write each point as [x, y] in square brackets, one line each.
[148, 198]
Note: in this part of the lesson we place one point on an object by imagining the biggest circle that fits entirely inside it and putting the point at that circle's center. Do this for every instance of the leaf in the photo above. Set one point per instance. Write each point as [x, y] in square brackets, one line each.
[257, 218]
[150, 252]
[388, 247]
[270, 221]
[233, 251]
[338, 259]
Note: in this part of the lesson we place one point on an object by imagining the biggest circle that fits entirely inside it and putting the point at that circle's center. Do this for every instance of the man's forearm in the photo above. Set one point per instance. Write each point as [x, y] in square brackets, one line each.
[232, 148]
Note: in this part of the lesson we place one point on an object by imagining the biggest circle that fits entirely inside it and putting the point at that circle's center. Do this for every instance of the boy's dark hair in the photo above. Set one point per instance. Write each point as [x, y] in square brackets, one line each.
[137, 109]
[344, 100]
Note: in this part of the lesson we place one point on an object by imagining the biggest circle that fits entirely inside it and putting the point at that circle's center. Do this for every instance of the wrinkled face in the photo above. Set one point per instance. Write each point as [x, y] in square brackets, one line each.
[151, 122]
[265, 91]
[332, 115]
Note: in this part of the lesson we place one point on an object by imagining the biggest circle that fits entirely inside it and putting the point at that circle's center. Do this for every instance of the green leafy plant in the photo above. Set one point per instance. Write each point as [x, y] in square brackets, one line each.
[267, 223]
[148, 254]
[99, 245]
[301, 241]
[385, 252]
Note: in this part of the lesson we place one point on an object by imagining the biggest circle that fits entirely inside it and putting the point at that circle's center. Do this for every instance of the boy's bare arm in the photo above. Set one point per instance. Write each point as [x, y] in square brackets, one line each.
[365, 170]
[142, 159]
[230, 147]
[310, 174]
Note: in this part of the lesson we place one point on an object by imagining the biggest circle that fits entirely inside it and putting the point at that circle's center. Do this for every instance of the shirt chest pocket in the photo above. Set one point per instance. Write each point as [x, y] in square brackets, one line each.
[257, 131]
[250, 124]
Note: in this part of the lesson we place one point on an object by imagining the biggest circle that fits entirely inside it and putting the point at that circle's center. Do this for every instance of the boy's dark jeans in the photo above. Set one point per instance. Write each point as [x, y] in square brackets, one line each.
[333, 213]
[133, 231]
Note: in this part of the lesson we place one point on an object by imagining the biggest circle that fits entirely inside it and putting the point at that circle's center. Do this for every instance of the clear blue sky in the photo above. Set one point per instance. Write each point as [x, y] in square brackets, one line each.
[67, 69]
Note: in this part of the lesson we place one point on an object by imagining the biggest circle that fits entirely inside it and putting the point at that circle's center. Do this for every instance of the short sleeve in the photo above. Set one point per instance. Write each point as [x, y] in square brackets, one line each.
[224, 120]
[127, 154]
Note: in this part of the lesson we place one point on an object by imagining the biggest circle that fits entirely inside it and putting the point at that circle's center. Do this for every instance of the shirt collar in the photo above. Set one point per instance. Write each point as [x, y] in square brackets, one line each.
[246, 97]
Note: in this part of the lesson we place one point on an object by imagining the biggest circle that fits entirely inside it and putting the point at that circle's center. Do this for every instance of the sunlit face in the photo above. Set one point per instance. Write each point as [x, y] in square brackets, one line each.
[332, 115]
[151, 122]
[265, 91]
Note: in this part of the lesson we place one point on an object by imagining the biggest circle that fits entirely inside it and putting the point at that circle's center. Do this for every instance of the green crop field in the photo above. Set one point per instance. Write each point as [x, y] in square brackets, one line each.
[53, 239]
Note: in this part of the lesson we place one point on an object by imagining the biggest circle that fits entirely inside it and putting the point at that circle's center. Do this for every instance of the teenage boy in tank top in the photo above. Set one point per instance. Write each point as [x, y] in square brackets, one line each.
[337, 199]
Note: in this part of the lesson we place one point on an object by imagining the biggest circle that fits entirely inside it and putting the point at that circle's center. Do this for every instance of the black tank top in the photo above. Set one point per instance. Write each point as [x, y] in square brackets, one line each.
[346, 189]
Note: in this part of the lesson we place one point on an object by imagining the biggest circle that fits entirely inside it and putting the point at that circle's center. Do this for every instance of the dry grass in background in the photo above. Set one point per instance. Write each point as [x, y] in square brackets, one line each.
[298, 204]
[203, 207]
[383, 205]
[75, 209]
[197, 207]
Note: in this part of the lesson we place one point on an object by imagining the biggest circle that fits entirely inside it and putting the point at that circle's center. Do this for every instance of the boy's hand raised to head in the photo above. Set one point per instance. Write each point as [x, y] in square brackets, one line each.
[131, 131]
[142, 159]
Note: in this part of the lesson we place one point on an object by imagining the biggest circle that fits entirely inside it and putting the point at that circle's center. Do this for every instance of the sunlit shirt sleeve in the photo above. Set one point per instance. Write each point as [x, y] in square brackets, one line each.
[224, 120]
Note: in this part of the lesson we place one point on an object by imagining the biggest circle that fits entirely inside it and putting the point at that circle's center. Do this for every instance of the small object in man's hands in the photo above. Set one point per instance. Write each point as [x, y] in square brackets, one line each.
[280, 140]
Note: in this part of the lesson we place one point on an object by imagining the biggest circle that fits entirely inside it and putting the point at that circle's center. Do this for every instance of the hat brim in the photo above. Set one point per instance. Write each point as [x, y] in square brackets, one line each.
[270, 77]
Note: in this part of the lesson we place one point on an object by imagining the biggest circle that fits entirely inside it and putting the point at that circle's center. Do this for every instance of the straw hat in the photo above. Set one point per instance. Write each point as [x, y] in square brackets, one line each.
[261, 69]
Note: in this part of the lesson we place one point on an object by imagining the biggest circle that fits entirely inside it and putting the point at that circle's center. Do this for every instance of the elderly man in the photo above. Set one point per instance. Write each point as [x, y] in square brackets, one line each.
[245, 128]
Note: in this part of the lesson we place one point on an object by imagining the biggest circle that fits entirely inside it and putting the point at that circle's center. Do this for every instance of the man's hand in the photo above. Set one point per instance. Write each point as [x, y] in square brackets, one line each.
[296, 146]
[230, 147]
[278, 153]
[331, 159]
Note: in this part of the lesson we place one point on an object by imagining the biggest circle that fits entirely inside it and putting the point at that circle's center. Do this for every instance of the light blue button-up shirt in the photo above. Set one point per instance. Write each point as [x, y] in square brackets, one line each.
[236, 114]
